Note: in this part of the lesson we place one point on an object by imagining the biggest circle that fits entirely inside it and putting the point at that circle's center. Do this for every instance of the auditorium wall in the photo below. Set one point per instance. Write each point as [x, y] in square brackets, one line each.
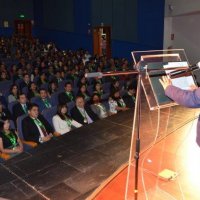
[69, 22]
[10, 10]
[182, 21]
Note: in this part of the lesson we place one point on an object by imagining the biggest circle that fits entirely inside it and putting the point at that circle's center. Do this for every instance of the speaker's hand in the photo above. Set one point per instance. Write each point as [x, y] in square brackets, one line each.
[165, 82]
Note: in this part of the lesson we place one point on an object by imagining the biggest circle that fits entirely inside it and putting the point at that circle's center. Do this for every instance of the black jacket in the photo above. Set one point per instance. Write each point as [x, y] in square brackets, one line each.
[30, 130]
[18, 111]
[64, 99]
[129, 101]
[76, 115]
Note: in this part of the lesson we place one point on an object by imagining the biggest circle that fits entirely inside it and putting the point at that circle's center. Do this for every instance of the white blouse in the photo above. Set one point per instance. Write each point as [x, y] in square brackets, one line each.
[61, 126]
[112, 105]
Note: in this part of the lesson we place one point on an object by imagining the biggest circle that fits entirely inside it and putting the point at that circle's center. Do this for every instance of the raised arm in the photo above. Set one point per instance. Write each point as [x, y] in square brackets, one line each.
[185, 98]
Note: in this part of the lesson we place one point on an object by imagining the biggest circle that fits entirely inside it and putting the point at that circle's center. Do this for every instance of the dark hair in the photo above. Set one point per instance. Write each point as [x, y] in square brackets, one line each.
[95, 94]
[42, 89]
[22, 93]
[30, 106]
[130, 87]
[68, 83]
[11, 88]
[79, 96]
[2, 121]
[25, 74]
[96, 85]
[59, 113]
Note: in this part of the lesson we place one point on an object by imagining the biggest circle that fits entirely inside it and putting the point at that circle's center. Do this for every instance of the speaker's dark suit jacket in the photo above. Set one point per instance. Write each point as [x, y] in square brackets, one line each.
[30, 130]
[76, 115]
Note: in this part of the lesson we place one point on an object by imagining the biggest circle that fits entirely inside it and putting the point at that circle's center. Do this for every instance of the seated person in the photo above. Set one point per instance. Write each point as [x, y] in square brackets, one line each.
[35, 127]
[83, 92]
[32, 91]
[98, 89]
[26, 81]
[114, 86]
[62, 122]
[4, 113]
[129, 97]
[42, 79]
[10, 143]
[53, 87]
[82, 113]
[21, 107]
[14, 93]
[44, 101]
[97, 107]
[82, 81]
[116, 103]
[67, 96]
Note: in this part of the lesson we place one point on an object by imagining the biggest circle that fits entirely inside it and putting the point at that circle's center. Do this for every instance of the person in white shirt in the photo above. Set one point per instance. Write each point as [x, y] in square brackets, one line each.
[62, 122]
[116, 103]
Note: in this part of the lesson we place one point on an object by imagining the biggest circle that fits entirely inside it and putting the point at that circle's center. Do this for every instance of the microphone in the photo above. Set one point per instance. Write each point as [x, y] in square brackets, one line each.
[190, 69]
[94, 75]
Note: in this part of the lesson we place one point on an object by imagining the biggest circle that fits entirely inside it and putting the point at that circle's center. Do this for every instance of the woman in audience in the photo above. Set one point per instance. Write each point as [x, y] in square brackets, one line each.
[9, 141]
[83, 92]
[98, 89]
[42, 79]
[82, 81]
[4, 76]
[14, 93]
[114, 86]
[62, 122]
[4, 113]
[32, 91]
[35, 74]
[116, 103]
[97, 107]
[53, 87]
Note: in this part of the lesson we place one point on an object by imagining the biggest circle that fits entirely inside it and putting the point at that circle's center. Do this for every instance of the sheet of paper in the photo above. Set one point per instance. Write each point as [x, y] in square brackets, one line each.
[182, 82]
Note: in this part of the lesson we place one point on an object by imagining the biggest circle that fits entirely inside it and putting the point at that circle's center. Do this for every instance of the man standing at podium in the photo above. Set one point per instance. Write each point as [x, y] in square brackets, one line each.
[187, 98]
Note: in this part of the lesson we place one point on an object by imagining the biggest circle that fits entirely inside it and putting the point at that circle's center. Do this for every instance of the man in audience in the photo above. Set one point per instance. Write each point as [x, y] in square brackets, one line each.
[35, 127]
[26, 81]
[67, 96]
[44, 101]
[129, 97]
[82, 113]
[21, 107]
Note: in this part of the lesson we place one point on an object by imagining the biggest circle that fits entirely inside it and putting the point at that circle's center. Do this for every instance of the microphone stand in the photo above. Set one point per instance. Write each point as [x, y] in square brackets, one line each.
[138, 108]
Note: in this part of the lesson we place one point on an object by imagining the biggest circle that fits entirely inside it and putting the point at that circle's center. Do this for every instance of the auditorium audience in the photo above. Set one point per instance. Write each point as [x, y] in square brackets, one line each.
[10, 143]
[14, 93]
[82, 113]
[62, 122]
[40, 68]
[35, 127]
